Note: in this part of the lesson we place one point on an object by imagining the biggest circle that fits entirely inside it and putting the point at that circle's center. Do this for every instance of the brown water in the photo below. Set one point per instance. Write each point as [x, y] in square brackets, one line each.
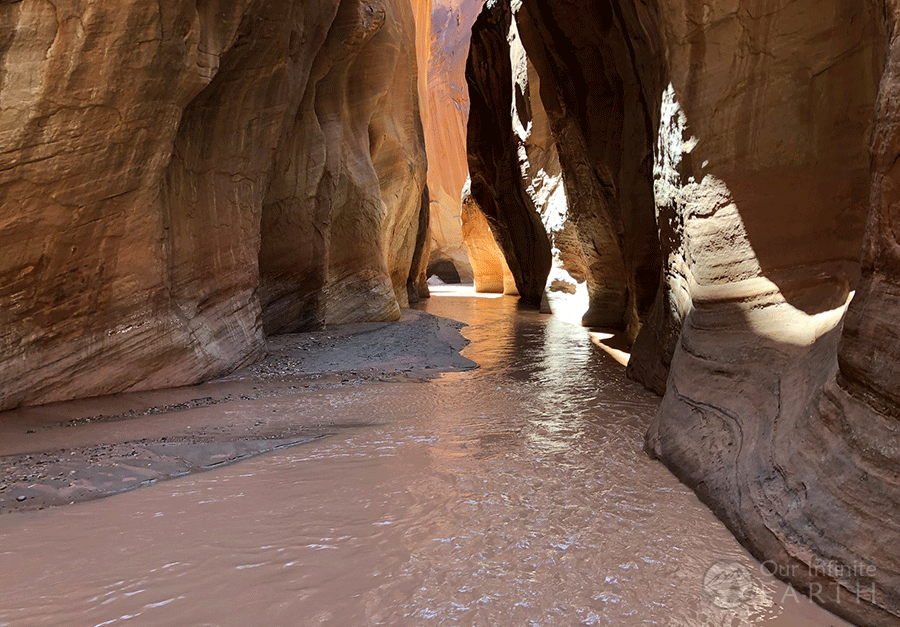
[517, 494]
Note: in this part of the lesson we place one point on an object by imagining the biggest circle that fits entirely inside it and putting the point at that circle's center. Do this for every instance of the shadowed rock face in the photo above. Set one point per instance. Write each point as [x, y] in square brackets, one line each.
[496, 184]
[342, 214]
[757, 126]
[584, 101]
[159, 157]
[178, 176]
[417, 281]
[599, 86]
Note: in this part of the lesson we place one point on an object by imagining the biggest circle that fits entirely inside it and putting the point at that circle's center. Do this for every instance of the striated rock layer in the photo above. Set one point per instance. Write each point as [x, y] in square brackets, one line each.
[729, 147]
[773, 133]
[340, 221]
[167, 166]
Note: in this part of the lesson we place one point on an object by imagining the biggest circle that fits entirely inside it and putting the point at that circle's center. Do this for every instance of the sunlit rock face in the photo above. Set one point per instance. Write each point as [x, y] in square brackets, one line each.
[443, 29]
[157, 157]
[746, 153]
[489, 267]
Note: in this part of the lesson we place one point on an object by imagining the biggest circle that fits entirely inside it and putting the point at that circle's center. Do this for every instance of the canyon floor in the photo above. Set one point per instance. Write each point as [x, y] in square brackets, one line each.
[82, 450]
[347, 483]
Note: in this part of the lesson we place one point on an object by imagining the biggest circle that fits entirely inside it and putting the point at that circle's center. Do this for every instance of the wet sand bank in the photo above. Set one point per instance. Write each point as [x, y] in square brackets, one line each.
[82, 450]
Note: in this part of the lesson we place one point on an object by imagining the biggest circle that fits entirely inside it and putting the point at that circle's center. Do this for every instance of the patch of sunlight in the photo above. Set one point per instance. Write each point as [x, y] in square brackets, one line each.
[568, 299]
[459, 289]
[612, 345]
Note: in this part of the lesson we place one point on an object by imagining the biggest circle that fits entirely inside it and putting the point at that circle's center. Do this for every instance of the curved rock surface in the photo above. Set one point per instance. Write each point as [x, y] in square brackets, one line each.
[489, 267]
[496, 183]
[443, 29]
[741, 137]
[157, 158]
[583, 113]
[774, 132]
[340, 221]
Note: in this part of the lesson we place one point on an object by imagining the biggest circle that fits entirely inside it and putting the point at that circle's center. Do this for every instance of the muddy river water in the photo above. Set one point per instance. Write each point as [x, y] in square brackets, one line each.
[515, 494]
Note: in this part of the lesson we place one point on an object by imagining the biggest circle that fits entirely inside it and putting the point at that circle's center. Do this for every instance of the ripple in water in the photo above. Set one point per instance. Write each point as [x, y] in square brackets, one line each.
[517, 494]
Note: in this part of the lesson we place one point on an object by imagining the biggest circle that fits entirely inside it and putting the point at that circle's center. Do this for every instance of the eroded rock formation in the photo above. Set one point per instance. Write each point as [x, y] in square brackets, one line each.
[159, 157]
[496, 184]
[339, 225]
[731, 146]
[489, 267]
[443, 28]
[759, 308]
[584, 110]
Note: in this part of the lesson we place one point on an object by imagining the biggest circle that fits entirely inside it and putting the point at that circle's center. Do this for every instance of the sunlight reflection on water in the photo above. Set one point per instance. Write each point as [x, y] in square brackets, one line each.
[516, 494]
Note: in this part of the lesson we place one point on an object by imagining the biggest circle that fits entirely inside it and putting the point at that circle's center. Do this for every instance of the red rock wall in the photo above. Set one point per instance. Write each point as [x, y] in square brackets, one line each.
[141, 142]
[443, 28]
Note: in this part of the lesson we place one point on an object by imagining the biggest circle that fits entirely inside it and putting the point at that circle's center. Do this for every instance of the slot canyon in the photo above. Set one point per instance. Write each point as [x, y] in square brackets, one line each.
[458, 312]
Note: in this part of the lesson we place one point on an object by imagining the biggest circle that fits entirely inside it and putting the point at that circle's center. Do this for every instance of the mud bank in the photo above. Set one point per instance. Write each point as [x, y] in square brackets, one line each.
[83, 450]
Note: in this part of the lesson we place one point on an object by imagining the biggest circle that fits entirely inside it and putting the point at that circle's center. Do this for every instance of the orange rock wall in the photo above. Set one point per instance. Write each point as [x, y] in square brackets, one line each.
[159, 158]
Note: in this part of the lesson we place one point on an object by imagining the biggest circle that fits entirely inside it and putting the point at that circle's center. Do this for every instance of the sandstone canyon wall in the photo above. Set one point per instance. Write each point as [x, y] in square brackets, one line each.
[496, 184]
[443, 29]
[578, 152]
[489, 268]
[766, 121]
[175, 175]
[716, 161]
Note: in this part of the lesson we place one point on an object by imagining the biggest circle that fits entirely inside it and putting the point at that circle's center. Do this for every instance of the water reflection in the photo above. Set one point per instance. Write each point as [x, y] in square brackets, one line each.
[516, 494]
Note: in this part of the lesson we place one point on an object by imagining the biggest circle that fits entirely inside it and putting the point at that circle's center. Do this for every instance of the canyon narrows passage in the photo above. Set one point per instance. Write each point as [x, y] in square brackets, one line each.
[185, 185]
[514, 494]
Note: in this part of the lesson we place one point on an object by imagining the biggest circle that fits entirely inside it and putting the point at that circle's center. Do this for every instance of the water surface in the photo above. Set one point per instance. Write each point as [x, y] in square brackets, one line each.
[516, 494]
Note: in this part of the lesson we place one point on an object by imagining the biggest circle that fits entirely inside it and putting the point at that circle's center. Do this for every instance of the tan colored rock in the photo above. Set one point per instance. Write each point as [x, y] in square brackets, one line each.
[839, 491]
[443, 31]
[121, 269]
[488, 264]
[340, 223]
[766, 122]
[542, 177]
[139, 142]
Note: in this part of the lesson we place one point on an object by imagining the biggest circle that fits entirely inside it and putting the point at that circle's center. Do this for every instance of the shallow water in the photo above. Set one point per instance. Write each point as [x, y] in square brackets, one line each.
[516, 494]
